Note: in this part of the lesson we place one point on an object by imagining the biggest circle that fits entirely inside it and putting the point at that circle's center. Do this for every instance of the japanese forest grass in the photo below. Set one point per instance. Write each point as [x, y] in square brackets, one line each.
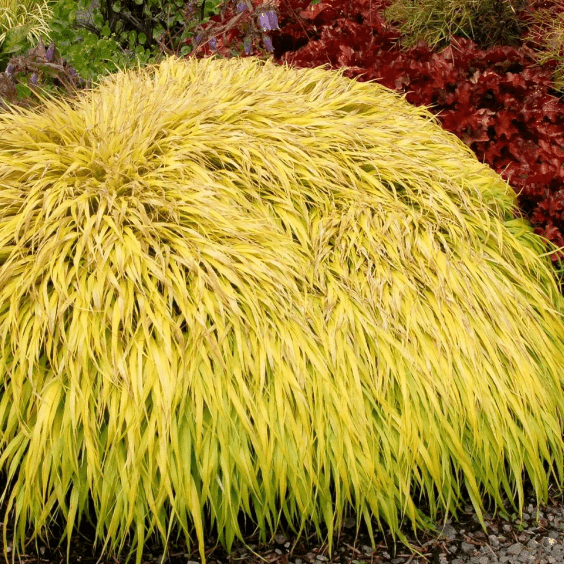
[227, 285]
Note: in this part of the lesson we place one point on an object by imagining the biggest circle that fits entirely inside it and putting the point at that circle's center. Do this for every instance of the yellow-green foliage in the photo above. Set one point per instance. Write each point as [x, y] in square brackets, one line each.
[228, 285]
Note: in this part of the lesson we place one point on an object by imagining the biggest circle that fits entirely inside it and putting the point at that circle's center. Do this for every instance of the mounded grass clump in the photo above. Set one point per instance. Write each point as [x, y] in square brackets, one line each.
[232, 286]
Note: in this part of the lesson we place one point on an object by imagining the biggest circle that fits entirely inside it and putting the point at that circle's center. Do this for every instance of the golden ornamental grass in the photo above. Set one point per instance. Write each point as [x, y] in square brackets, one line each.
[227, 285]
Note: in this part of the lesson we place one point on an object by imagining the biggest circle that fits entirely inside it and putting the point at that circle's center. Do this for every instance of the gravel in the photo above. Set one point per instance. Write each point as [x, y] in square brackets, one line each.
[461, 542]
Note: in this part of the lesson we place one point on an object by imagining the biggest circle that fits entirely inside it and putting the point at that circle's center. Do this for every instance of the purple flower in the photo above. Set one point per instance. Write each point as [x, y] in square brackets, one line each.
[268, 43]
[213, 43]
[199, 38]
[268, 21]
[49, 55]
[9, 69]
[273, 20]
[34, 78]
[241, 7]
[72, 72]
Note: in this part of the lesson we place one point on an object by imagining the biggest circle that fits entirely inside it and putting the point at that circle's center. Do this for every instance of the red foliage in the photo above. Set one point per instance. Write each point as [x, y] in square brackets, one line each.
[499, 101]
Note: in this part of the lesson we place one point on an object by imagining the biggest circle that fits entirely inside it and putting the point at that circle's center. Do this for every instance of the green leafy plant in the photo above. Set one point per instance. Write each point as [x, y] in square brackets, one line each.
[93, 55]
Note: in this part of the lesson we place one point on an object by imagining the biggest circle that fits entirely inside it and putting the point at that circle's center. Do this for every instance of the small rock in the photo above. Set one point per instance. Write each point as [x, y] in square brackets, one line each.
[448, 532]
[515, 548]
[467, 547]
